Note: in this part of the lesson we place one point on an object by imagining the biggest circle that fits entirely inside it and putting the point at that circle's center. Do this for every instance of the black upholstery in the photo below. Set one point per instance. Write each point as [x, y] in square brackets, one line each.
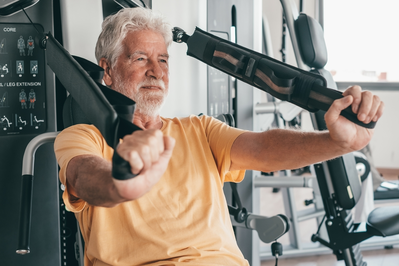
[72, 114]
[346, 182]
[385, 219]
[311, 37]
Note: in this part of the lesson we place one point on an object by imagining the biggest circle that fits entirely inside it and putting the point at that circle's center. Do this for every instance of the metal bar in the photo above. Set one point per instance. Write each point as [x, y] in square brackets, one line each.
[27, 190]
[291, 14]
[291, 181]
[30, 150]
[374, 86]
[310, 215]
[266, 108]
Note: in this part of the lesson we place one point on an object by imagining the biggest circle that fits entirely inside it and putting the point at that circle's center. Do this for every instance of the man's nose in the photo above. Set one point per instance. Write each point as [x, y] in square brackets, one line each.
[155, 70]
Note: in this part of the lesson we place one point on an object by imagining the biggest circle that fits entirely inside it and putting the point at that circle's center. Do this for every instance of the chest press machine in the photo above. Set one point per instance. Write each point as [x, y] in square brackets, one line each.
[283, 81]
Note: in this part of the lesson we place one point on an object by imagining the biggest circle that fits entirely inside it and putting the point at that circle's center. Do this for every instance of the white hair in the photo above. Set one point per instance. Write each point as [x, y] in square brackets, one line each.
[115, 27]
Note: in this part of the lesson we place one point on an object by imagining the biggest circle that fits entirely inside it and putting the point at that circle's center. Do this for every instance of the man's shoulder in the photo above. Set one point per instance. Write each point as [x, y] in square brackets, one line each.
[189, 121]
[79, 130]
[81, 137]
[81, 127]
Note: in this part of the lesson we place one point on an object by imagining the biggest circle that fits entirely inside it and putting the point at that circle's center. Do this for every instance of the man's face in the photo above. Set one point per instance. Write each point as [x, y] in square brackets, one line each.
[141, 72]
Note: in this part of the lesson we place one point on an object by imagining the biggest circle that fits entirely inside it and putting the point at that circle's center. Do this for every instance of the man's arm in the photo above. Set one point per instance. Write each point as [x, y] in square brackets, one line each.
[288, 149]
[90, 178]
[280, 149]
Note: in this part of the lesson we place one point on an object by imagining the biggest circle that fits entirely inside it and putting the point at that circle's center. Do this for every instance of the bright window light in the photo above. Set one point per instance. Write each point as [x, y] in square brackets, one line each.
[362, 40]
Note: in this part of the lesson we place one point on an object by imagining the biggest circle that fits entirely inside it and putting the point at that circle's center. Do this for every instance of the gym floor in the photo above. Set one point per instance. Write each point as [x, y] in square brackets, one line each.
[271, 203]
[384, 257]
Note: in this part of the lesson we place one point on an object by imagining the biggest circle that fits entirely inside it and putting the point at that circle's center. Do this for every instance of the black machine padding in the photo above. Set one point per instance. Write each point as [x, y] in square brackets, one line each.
[83, 89]
[283, 81]
[110, 111]
[346, 181]
[311, 38]
[72, 114]
[385, 219]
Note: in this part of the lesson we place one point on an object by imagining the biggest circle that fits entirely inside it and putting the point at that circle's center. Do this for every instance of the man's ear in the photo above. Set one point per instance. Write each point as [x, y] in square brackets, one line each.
[107, 71]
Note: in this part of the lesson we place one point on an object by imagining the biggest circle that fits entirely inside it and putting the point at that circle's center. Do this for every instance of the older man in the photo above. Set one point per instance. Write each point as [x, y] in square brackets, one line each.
[174, 212]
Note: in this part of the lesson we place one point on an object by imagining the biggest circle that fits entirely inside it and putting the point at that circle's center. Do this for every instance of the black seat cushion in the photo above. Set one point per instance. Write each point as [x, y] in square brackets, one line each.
[385, 219]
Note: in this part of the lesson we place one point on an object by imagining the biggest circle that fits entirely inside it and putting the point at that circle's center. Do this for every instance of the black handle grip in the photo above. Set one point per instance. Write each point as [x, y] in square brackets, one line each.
[121, 169]
[351, 116]
[326, 99]
[25, 215]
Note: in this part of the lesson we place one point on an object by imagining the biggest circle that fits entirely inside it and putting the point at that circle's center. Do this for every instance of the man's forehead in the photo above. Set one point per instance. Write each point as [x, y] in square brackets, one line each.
[144, 41]
[145, 35]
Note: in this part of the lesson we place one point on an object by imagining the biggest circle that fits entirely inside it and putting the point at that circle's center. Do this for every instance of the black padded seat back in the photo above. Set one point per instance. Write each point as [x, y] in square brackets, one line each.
[311, 39]
[313, 50]
[72, 114]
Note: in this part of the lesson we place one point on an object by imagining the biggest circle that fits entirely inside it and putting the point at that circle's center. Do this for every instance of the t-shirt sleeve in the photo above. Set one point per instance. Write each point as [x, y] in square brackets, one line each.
[71, 142]
[221, 138]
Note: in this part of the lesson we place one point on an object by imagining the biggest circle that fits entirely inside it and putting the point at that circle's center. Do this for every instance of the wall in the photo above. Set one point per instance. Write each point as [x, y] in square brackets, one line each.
[80, 38]
[188, 80]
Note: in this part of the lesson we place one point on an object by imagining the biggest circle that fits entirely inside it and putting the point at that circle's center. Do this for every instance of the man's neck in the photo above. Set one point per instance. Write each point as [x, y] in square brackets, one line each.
[147, 122]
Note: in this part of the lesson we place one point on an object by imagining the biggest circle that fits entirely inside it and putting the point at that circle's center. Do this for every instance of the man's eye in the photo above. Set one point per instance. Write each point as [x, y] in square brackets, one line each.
[140, 59]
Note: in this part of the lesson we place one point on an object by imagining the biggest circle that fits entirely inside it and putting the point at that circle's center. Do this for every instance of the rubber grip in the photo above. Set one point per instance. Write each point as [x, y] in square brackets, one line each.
[351, 116]
[26, 213]
[121, 168]
[334, 95]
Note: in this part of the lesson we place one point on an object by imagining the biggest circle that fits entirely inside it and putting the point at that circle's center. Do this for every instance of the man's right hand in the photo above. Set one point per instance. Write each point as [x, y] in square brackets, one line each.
[148, 153]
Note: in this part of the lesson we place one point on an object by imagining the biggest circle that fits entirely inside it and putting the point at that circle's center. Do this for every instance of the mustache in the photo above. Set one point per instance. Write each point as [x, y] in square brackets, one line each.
[152, 83]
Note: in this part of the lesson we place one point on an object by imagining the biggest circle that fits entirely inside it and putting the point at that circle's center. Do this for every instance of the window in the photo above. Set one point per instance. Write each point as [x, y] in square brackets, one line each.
[362, 40]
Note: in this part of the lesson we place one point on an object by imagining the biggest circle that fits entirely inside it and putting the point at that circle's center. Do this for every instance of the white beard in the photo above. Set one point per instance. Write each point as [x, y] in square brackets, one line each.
[148, 103]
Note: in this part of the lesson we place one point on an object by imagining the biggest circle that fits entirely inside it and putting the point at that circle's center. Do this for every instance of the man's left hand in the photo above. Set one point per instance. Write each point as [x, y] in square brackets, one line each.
[366, 105]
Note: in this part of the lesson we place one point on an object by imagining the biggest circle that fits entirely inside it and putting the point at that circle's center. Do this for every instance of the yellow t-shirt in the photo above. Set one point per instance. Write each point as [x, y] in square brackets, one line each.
[183, 220]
